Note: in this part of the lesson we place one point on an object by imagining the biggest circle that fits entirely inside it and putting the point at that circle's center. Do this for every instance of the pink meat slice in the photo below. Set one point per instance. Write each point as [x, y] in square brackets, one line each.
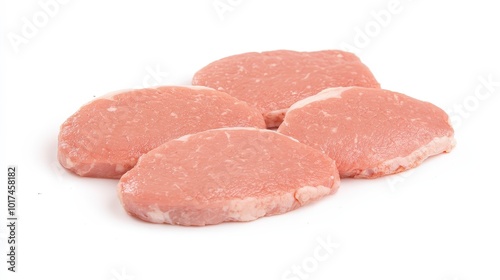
[370, 132]
[106, 137]
[222, 175]
[272, 81]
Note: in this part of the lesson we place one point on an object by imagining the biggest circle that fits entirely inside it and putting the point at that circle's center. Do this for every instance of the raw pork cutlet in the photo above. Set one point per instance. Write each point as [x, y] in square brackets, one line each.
[222, 175]
[370, 132]
[272, 81]
[107, 136]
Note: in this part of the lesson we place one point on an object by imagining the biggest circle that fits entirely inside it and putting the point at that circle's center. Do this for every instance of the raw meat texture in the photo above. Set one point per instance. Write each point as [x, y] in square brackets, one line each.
[370, 132]
[221, 175]
[107, 136]
[272, 81]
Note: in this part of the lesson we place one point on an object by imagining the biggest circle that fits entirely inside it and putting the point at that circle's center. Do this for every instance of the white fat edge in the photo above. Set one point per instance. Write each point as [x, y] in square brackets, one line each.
[69, 163]
[186, 137]
[237, 128]
[119, 168]
[251, 208]
[307, 194]
[110, 95]
[325, 94]
[155, 215]
[184, 86]
[436, 146]
[199, 88]
[254, 129]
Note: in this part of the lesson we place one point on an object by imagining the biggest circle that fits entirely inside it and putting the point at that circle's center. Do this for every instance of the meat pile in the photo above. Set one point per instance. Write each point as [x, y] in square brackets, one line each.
[205, 154]
[273, 81]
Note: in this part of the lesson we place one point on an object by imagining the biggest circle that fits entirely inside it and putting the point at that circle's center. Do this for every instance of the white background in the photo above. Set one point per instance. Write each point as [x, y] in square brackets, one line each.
[440, 221]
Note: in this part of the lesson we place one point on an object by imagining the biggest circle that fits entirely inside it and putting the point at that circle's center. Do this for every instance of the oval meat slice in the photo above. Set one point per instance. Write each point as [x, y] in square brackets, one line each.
[107, 136]
[370, 132]
[272, 81]
[222, 175]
